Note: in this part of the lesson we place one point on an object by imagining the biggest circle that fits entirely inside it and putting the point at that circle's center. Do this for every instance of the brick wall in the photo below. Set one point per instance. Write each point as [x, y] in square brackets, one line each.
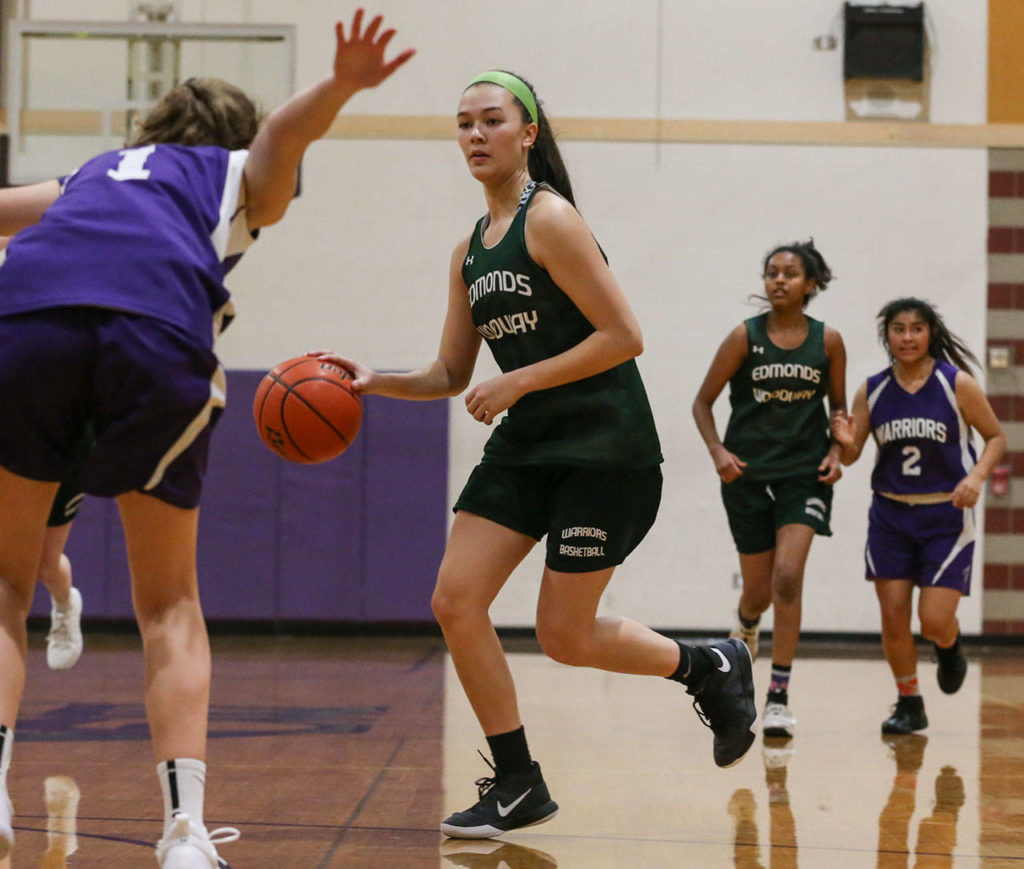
[1003, 602]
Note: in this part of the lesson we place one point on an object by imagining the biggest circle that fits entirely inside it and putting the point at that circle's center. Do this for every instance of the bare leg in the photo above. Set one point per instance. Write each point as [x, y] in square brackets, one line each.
[895, 599]
[55, 567]
[793, 543]
[570, 632]
[756, 571]
[161, 541]
[936, 607]
[478, 559]
[24, 506]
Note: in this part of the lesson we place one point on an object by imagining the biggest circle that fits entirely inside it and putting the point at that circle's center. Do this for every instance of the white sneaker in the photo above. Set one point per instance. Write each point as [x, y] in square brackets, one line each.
[64, 642]
[6, 828]
[778, 721]
[62, 796]
[750, 636]
[187, 846]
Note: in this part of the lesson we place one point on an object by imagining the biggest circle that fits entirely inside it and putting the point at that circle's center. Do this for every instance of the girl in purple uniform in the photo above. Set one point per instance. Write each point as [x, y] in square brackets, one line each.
[926, 481]
[111, 295]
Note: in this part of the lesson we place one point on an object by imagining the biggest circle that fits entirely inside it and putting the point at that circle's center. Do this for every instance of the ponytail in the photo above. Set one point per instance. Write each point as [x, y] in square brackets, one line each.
[544, 162]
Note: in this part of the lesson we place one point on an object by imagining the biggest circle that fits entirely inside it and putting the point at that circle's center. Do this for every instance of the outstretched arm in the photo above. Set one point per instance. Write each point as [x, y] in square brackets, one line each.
[449, 373]
[275, 153]
[24, 206]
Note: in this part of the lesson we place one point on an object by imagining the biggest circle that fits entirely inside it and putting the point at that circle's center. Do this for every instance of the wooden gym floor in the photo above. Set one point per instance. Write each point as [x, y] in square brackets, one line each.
[347, 752]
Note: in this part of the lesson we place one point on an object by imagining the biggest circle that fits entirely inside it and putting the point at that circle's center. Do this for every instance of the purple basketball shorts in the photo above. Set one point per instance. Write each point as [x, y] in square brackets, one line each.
[931, 544]
[151, 394]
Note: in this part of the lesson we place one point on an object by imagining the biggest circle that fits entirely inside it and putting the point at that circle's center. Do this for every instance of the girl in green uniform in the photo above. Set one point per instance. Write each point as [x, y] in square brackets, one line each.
[575, 458]
[777, 464]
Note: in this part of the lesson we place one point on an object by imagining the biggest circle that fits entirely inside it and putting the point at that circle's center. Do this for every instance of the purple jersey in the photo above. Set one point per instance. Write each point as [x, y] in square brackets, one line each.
[150, 231]
[923, 442]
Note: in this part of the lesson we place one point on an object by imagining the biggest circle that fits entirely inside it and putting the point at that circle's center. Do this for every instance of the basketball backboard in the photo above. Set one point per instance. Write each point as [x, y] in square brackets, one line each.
[73, 87]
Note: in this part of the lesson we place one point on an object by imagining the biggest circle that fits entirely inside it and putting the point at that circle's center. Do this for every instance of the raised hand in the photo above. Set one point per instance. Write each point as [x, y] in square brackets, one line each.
[359, 57]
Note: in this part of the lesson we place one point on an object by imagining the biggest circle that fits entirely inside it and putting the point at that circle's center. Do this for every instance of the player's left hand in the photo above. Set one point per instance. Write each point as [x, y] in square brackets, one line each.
[359, 57]
[487, 400]
[967, 492]
[830, 469]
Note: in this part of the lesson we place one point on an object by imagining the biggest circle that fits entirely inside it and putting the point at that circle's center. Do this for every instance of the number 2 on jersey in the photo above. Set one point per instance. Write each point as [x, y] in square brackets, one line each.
[912, 455]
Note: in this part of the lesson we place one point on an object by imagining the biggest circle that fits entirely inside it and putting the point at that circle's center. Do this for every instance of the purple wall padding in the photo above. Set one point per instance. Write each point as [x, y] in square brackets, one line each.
[356, 539]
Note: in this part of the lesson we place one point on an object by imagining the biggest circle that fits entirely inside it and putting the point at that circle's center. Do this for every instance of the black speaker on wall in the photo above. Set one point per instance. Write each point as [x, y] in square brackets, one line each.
[883, 42]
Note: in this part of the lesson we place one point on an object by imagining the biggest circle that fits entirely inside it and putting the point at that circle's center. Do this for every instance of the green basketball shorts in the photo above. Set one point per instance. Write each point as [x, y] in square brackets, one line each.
[757, 509]
[593, 517]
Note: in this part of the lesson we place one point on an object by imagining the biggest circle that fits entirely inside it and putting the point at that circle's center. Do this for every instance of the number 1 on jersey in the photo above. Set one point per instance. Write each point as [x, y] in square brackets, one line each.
[132, 166]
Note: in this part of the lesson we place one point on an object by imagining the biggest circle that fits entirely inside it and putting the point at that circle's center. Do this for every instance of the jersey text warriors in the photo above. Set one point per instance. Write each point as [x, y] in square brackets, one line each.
[923, 442]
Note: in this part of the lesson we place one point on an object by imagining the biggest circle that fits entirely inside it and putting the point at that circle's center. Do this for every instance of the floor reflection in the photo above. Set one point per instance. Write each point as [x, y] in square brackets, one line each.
[936, 834]
[494, 854]
[782, 842]
[61, 795]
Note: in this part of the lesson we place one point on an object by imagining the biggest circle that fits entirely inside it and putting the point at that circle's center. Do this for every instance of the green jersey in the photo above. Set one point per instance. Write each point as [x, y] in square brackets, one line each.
[603, 420]
[779, 425]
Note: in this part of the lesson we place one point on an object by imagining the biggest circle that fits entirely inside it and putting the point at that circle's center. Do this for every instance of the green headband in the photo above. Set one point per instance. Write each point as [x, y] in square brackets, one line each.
[515, 86]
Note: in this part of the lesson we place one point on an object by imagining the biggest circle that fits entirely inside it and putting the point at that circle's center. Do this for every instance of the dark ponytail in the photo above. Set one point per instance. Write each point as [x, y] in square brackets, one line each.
[942, 343]
[815, 267]
[545, 160]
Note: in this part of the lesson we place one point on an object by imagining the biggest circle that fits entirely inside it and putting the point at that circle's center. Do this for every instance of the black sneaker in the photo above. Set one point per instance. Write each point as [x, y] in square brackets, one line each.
[507, 802]
[907, 716]
[724, 700]
[951, 671]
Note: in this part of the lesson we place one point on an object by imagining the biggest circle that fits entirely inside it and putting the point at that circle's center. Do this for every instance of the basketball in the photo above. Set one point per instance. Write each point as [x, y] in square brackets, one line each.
[306, 411]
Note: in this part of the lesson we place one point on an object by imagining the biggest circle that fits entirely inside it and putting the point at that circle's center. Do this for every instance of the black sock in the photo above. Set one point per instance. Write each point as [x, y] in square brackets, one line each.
[694, 665]
[748, 623]
[510, 752]
[949, 654]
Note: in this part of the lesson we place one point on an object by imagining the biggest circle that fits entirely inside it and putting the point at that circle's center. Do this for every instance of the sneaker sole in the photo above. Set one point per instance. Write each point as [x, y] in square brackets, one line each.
[746, 665]
[486, 831]
[954, 685]
[778, 733]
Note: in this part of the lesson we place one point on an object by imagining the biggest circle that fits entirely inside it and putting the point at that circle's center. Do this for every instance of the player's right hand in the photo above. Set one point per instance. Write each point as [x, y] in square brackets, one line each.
[728, 465]
[361, 375]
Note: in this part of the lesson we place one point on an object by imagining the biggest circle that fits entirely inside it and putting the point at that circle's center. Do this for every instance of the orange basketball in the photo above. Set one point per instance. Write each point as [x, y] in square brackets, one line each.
[306, 411]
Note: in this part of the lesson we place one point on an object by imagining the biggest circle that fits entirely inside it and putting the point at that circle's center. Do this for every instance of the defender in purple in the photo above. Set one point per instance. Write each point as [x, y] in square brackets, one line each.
[921, 412]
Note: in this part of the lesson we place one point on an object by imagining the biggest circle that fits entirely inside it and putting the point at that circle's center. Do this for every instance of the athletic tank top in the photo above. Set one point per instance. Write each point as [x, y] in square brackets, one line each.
[150, 231]
[923, 442]
[603, 420]
[779, 425]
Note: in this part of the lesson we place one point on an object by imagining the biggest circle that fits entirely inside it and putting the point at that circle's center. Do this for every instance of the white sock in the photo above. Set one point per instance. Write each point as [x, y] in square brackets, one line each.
[183, 783]
[6, 746]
